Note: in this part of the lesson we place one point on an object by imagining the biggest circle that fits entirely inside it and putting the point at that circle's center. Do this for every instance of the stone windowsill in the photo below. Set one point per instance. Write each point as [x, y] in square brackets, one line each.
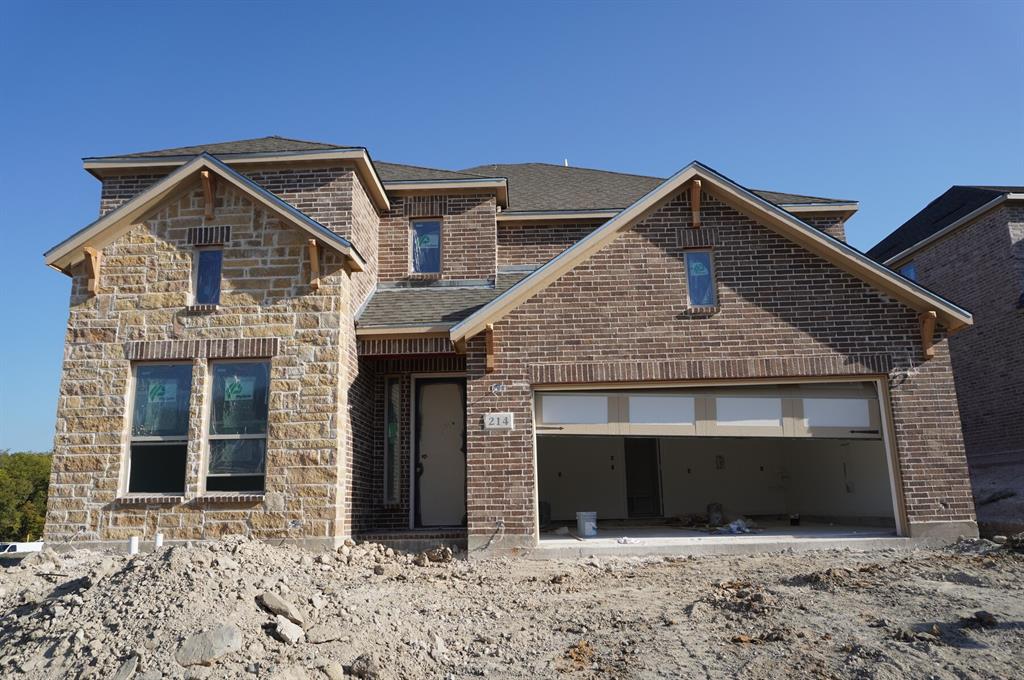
[201, 309]
[703, 311]
[150, 499]
[212, 498]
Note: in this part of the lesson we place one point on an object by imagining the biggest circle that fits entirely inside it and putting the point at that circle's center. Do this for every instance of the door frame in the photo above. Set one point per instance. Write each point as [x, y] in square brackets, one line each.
[413, 378]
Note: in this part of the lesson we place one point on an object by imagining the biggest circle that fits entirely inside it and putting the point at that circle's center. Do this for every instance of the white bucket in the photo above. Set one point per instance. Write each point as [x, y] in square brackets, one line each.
[586, 524]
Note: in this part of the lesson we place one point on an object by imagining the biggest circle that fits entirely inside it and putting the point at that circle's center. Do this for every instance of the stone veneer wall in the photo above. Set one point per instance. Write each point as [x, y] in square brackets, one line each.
[468, 250]
[621, 316]
[980, 266]
[141, 305]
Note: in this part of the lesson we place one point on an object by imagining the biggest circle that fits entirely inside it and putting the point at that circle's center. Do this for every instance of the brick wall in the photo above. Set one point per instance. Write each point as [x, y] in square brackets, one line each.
[979, 266]
[778, 303]
[536, 243]
[141, 304]
[833, 225]
[468, 250]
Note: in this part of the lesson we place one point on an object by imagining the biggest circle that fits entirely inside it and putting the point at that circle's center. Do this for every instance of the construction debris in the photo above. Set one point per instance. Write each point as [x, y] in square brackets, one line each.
[238, 608]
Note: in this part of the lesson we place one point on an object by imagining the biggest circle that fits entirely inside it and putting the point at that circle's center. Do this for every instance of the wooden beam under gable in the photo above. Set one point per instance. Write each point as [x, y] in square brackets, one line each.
[489, 340]
[695, 203]
[928, 334]
[209, 192]
[92, 266]
[314, 264]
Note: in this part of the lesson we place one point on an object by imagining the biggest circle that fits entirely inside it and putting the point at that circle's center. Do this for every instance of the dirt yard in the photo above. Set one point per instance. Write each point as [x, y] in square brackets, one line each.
[243, 609]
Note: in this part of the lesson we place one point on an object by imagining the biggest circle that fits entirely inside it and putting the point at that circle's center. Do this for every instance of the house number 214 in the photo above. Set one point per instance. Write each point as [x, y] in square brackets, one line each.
[497, 421]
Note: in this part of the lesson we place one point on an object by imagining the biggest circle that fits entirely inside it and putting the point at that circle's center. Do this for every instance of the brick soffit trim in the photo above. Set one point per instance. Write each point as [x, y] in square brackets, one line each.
[710, 369]
[167, 350]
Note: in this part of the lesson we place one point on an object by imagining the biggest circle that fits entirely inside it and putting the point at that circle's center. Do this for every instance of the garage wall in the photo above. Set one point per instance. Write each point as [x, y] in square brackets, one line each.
[750, 480]
[818, 483]
[582, 474]
[748, 476]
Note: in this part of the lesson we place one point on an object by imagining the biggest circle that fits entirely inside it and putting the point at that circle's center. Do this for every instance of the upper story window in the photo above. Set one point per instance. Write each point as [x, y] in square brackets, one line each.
[238, 426]
[700, 279]
[159, 434]
[206, 266]
[426, 246]
[909, 270]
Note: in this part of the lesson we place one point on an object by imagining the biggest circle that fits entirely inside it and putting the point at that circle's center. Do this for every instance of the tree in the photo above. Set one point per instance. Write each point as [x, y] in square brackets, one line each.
[24, 480]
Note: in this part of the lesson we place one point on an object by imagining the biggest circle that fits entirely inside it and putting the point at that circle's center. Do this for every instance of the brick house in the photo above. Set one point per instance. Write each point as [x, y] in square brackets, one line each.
[292, 340]
[968, 245]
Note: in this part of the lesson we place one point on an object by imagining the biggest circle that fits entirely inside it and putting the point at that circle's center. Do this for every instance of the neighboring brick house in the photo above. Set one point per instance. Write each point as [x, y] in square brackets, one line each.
[968, 246]
[291, 340]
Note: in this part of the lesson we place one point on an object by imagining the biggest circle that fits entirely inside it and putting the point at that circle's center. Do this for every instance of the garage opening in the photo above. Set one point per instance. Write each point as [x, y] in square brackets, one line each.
[768, 460]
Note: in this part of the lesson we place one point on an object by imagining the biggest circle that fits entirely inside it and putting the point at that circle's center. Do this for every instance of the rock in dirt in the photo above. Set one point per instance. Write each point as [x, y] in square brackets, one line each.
[127, 669]
[286, 631]
[275, 604]
[365, 666]
[333, 670]
[206, 647]
[324, 632]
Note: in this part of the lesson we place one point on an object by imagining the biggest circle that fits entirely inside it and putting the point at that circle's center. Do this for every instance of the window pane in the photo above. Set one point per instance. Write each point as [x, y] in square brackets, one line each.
[161, 400]
[662, 409]
[699, 282]
[237, 483]
[837, 412]
[749, 411]
[157, 468]
[237, 456]
[393, 396]
[239, 398]
[208, 277]
[426, 246]
[909, 271]
[574, 408]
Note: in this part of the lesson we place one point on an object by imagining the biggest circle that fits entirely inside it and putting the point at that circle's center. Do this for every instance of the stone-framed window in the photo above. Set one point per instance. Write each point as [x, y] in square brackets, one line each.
[206, 275]
[701, 290]
[426, 246]
[237, 431]
[158, 446]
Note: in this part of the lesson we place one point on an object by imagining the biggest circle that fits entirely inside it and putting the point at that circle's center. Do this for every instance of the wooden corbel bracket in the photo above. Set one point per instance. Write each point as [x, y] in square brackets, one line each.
[489, 341]
[209, 192]
[92, 267]
[314, 264]
[695, 203]
[927, 320]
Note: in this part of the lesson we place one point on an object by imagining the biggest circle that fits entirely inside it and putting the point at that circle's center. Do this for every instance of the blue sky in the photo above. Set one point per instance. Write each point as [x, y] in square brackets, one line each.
[885, 103]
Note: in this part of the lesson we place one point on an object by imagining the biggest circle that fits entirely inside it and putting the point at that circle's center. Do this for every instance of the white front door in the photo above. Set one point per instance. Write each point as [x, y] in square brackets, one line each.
[440, 452]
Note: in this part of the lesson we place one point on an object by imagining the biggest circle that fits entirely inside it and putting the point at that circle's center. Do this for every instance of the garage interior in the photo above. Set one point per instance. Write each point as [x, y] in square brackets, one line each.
[800, 460]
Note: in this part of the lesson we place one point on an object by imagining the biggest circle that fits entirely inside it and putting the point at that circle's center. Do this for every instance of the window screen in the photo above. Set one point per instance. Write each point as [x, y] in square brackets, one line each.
[159, 435]
[426, 246]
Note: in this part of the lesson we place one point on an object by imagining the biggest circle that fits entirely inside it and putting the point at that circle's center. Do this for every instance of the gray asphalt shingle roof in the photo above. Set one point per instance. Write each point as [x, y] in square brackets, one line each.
[547, 187]
[955, 203]
[430, 305]
[272, 144]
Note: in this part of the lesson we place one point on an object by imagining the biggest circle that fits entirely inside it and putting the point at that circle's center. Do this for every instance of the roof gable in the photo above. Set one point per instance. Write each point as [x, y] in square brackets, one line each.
[958, 204]
[767, 213]
[109, 226]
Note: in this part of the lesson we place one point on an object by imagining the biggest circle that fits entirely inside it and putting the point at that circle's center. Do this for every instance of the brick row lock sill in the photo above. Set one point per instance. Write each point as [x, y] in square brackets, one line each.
[178, 499]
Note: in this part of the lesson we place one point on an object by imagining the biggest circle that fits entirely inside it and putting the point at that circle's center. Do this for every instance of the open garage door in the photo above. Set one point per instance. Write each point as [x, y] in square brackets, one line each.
[803, 455]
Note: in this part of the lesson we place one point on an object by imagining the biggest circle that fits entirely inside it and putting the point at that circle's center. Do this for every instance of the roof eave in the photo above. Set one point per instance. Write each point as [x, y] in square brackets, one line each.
[359, 155]
[813, 239]
[69, 251]
[898, 258]
[497, 184]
